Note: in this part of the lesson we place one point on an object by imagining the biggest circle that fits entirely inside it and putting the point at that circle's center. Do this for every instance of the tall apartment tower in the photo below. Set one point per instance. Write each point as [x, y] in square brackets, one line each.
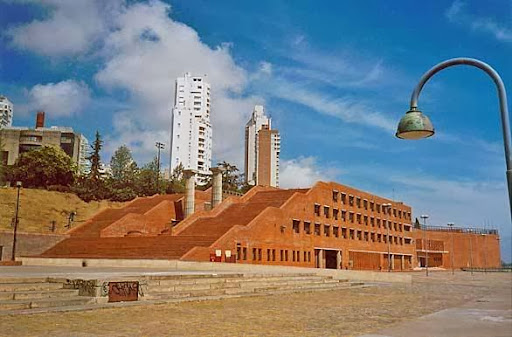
[191, 135]
[262, 147]
[6, 109]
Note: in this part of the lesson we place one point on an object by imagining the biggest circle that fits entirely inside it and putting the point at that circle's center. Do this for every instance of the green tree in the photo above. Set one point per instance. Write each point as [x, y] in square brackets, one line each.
[124, 168]
[95, 159]
[146, 180]
[176, 183]
[44, 167]
[231, 179]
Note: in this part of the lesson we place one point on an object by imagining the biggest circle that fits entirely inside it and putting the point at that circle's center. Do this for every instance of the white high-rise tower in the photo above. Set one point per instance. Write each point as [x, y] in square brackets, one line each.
[5, 112]
[191, 135]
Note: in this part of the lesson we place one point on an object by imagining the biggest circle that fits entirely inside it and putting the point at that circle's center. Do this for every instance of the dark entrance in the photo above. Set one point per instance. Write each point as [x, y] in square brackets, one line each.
[330, 259]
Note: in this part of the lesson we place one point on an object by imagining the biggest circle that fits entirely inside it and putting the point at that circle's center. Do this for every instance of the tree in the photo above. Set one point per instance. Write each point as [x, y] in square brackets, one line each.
[146, 181]
[124, 168]
[44, 167]
[95, 159]
[230, 177]
[176, 183]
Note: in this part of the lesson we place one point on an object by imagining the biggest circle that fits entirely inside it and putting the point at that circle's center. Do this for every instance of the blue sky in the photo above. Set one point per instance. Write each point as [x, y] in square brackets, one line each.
[335, 76]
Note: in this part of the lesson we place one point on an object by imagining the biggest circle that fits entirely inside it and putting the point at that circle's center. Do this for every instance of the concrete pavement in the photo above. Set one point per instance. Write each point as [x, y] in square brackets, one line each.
[489, 316]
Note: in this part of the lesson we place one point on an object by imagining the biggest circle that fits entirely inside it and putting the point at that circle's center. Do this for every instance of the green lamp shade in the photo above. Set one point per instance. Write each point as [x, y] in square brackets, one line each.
[414, 125]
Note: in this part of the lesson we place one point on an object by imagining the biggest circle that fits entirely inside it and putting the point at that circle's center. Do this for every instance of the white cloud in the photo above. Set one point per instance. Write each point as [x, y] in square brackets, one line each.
[144, 56]
[62, 99]
[457, 13]
[304, 172]
[71, 28]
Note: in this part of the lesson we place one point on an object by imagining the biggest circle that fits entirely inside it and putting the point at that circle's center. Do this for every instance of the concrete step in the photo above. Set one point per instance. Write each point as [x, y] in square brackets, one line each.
[37, 294]
[286, 283]
[303, 287]
[43, 303]
[8, 280]
[29, 286]
[279, 279]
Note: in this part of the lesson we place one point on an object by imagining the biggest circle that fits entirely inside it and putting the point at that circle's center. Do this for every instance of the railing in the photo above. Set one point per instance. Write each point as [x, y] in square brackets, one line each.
[459, 229]
[489, 270]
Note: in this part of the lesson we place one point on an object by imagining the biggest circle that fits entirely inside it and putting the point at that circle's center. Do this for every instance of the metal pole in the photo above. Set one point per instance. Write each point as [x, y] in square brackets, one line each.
[453, 247]
[16, 220]
[485, 254]
[425, 246]
[159, 146]
[470, 254]
[389, 246]
[502, 96]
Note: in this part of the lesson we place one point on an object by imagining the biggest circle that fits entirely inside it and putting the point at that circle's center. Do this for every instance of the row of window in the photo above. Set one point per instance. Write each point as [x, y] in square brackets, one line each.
[349, 233]
[284, 255]
[368, 205]
[361, 219]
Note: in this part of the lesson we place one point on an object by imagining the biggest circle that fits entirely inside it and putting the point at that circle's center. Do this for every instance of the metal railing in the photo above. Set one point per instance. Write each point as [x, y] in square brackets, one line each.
[471, 230]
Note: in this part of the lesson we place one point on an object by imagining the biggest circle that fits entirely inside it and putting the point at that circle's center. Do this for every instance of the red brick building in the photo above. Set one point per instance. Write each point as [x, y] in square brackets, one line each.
[326, 226]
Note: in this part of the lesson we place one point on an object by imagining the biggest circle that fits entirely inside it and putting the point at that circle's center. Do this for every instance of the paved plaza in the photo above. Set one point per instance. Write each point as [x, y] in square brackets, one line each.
[463, 303]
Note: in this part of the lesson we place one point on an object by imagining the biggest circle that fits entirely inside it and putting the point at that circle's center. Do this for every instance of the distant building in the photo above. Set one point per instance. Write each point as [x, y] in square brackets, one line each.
[6, 110]
[262, 148]
[191, 135]
[17, 140]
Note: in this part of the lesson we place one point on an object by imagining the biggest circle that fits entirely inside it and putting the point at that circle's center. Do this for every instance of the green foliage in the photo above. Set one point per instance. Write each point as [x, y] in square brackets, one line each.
[95, 158]
[176, 183]
[231, 179]
[124, 168]
[147, 179]
[43, 167]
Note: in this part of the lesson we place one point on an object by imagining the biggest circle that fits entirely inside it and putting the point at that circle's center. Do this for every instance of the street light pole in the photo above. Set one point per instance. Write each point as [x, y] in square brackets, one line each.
[485, 253]
[450, 224]
[425, 247]
[16, 220]
[387, 207]
[416, 125]
[159, 146]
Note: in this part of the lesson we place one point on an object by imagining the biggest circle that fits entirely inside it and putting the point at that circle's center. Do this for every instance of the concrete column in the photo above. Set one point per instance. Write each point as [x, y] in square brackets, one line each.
[216, 186]
[392, 262]
[190, 187]
[338, 260]
[403, 262]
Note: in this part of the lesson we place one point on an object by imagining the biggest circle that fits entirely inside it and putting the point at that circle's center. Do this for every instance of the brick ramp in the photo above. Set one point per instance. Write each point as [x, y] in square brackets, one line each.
[86, 243]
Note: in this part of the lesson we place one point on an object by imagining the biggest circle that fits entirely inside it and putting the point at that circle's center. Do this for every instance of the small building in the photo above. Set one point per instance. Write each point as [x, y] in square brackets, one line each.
[17, 140]
[6, 111]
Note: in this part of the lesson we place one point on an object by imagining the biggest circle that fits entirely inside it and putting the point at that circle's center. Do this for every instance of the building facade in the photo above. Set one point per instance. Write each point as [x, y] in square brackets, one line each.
[6, 112]
[17, 140]
[191, 133]
[262, 150]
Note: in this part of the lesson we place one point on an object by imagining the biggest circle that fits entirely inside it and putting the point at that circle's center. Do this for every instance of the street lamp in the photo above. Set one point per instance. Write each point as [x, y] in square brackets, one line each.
[451, 224]
[387, 207]
[159, 146]
[425, 247]
[16, 220]
[485, 252]
[416, 125]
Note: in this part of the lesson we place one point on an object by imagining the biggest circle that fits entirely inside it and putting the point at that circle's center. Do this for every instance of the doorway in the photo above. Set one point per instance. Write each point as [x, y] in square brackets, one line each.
[331, 259]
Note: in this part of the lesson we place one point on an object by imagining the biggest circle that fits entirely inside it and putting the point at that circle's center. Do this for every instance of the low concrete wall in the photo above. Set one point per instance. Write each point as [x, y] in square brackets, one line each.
[367, 276]
[27, 243]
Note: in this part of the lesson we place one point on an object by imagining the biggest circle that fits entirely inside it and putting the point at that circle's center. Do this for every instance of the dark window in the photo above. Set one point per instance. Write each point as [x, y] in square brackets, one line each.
[326, 211]
[327, 230]
[244, 253]
[344, 233]
[317, 209]
[344, 215]
[268, 255]
[335, 213]
[335, 231]
[307, 227]
[254, 253]
[335, 195]
[317, 229]
[343, 198]
[296, 226]
[259, 254]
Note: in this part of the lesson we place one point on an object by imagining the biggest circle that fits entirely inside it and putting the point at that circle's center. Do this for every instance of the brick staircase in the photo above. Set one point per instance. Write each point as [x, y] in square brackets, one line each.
[203, 287]
[85, 242]
[31, 294]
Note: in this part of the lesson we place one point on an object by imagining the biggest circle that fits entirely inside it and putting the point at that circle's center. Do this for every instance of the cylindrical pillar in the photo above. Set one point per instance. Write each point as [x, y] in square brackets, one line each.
[190, 186]
[216, 186]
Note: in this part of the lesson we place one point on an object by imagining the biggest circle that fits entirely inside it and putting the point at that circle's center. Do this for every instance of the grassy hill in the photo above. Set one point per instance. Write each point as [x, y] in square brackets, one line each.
[39, 207]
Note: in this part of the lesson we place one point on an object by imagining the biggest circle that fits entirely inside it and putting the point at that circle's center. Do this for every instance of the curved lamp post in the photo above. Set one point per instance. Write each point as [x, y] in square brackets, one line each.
[416, 125]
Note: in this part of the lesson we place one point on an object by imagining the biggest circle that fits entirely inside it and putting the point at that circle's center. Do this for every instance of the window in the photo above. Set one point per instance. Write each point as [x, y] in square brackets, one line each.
[268, 255]
[394, 212]
[335, 231]
[309, 256]
[326, 211]
[317, 229]
[296, 226]
[327, 230]
[372, 237]
[358, 202]
[273, 254]
[298, 256]
[305, 256]
[359, 218]
[359, 235]
[352, 234]
[254, 254]
[282, 255]
[286, 255]
[293, 256]
[379, 237]
[244, 253]
[366, 220]
[343, 215]
[366, 236]
[365, 204]
[372, 206]
[259, 254]
[343, 198]
[372, 221]
[351, 200]
[378, 207]
[335, 213]
[307, 227]
[344, 233]
[351, 216]
[334, 195]
[317, 209]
